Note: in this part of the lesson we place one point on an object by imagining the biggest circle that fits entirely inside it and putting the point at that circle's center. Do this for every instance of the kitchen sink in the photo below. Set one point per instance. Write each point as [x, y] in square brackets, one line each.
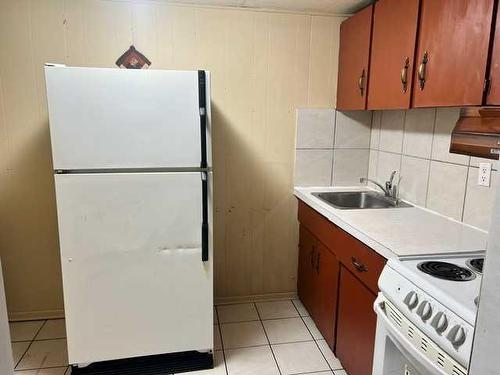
[353, 200]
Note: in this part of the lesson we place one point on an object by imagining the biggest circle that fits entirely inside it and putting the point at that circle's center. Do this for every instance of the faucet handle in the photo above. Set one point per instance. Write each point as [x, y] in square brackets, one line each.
[392, 176]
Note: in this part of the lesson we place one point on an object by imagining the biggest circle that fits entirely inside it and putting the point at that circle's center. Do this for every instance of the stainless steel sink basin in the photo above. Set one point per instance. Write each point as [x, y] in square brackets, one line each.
[352, 200]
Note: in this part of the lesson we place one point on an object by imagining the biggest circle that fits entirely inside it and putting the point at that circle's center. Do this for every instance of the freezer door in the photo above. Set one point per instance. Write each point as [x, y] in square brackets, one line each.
[121, 118]
[134, 280]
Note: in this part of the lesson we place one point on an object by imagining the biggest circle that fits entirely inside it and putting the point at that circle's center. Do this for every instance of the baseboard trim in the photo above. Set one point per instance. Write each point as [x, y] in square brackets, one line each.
[255, 298]
[58, 314]
[35, 315]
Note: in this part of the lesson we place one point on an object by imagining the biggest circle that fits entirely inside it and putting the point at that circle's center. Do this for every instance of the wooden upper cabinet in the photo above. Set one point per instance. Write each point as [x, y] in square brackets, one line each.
[493, 97]
[452, 52]
[392, 53]
[354, 57]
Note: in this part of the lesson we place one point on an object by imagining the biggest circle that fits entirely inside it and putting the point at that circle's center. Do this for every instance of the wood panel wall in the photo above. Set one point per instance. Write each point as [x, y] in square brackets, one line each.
[264, 66]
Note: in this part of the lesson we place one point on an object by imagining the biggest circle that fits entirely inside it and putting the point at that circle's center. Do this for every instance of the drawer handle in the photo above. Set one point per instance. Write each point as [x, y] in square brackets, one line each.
[359, 266]
[311, 254]
[317, 263]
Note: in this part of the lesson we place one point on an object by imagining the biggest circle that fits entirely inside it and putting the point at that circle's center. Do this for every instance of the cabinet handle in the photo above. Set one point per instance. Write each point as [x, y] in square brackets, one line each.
[312, 257]
[404, 74]
[361, 83]
[317, 263]
[359, 266]
[422, 70]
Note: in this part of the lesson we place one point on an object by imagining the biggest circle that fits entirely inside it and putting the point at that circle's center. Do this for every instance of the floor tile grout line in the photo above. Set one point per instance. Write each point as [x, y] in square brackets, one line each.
[250, 346]
[267, 338]
[316, 342]
[264, 320]
[42, 368]
[221, 340]
[52, 338]
[311, 372]
[31, 343]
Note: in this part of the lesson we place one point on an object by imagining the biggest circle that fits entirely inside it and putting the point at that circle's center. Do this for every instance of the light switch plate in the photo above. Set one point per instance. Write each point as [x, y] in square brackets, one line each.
[484, 174]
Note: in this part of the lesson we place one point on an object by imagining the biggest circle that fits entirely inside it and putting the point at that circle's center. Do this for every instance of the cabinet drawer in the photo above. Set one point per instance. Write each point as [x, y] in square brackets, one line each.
[318, 225]
[358, 258]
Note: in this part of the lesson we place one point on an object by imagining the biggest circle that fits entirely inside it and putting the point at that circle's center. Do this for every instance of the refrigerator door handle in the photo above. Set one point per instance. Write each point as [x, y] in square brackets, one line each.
[202, 100]
[204, 224]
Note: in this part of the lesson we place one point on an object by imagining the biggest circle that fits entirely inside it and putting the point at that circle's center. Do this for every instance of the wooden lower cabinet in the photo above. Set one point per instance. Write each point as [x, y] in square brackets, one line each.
[306, 278]
[318, 283]
[337, 283]
[327, 277]
[356, 325]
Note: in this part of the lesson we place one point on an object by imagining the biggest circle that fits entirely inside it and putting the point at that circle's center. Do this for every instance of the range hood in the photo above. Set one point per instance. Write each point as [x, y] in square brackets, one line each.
[477, 133]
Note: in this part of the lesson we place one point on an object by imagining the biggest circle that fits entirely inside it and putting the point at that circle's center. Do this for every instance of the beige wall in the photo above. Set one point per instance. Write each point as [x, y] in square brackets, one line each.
[264, 66]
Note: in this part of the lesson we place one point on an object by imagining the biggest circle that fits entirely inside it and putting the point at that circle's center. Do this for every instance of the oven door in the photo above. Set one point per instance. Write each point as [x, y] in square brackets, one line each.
[401, 348]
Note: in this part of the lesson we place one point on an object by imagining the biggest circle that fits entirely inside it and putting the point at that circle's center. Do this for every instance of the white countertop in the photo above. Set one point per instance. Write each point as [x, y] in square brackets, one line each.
[399, 232]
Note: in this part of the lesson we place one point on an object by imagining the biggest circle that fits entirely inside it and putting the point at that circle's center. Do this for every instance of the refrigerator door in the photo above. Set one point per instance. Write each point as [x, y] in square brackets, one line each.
[134, 280]
[104, 118]
[6, 362]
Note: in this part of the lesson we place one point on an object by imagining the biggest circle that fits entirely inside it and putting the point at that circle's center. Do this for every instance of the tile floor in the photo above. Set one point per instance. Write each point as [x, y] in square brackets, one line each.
[39, 347]
[264, 338]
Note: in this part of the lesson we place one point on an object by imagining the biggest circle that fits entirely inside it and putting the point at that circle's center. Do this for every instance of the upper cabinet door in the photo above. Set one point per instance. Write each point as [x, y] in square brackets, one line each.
[392, 53]
[452, 52]
[494, 93]
[354, 57]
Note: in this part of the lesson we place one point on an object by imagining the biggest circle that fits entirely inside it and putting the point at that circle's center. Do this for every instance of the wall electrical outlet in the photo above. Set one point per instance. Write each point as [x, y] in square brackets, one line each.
[484, 175]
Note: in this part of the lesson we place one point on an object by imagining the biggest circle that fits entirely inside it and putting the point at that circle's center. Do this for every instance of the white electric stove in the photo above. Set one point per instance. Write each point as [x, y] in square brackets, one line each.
[426, 312]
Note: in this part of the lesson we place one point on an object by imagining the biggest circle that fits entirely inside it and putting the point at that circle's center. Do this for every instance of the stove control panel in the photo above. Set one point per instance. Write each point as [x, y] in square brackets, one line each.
[449, 331]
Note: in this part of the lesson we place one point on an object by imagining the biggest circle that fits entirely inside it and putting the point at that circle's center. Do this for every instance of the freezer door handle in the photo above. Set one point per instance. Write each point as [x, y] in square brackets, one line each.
[204, 224]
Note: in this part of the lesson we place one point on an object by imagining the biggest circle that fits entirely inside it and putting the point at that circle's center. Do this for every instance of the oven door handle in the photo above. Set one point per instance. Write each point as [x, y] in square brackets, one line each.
[402, 343]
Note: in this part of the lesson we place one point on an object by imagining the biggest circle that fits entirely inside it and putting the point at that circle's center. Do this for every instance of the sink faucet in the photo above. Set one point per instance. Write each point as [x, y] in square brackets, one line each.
[390, 190]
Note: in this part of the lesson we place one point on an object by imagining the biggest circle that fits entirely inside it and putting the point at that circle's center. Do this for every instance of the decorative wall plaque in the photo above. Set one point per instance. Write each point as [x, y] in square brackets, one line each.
[133, 59]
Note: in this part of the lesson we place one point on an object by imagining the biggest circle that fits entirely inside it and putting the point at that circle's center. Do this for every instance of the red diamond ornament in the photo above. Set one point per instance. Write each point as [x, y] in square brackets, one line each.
[133, 59]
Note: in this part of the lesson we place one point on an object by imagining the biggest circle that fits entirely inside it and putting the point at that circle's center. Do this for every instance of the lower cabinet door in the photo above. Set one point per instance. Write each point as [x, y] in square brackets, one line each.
[306, 277]
[327, 269]
[356, 325]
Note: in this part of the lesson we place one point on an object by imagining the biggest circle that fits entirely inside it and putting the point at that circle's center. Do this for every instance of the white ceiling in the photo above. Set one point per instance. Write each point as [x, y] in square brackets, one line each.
[307, 6]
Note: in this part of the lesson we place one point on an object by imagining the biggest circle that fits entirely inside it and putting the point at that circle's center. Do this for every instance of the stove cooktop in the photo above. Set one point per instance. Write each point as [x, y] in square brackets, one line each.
[450, 280]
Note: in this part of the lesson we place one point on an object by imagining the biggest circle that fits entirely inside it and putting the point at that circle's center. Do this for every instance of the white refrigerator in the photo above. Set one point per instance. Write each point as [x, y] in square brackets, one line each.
[6, 360]
[132, 167]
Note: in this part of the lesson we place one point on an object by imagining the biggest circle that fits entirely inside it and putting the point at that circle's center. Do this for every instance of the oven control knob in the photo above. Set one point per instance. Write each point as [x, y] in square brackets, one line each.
[440, 322]
[424, 310]
[457, 336]
[411, 300]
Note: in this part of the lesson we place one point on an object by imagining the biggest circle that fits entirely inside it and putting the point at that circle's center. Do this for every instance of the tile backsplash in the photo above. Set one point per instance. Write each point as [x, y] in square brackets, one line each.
[416, 143]
[337, 148]
[332, 147]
